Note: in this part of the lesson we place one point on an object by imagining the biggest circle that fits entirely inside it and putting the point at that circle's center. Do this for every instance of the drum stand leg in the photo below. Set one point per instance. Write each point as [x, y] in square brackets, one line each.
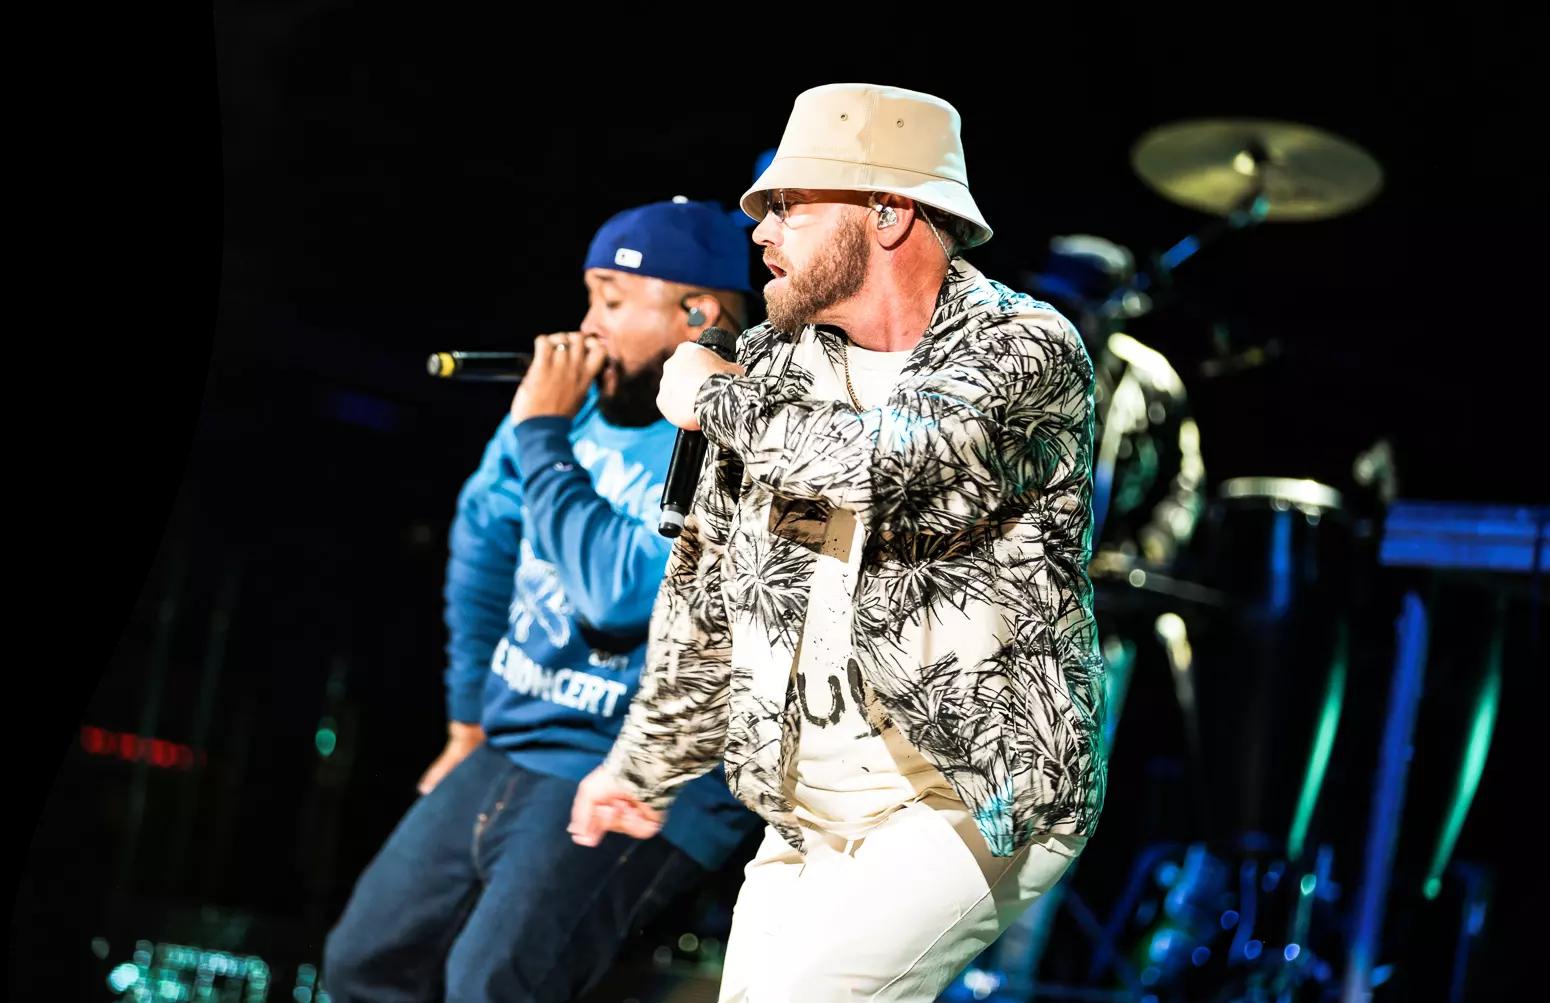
[1472, 763]
[1105, 938]
[1388, 799]
[1471, 920]
[1174, 636]
[1323, 744]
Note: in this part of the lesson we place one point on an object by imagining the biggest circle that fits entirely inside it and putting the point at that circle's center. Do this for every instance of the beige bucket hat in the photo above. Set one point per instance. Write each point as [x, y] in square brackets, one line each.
[871, 138]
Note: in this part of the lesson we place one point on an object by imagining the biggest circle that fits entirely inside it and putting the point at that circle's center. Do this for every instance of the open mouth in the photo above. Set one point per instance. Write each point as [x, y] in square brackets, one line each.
[775, 270]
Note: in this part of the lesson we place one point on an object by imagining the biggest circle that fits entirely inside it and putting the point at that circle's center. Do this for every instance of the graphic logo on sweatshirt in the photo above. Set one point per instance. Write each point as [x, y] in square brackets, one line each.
[539, 599]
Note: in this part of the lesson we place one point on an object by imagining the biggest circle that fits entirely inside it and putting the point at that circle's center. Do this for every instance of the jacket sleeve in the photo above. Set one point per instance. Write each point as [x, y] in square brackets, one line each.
[1008, 412]
[677, 724]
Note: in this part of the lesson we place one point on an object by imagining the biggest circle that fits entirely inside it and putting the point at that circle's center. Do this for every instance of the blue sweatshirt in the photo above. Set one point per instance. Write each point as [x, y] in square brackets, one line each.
[555, 564]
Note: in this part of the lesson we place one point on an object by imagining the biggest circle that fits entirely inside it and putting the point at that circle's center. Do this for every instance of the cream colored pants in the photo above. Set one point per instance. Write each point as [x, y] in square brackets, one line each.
[893, 916]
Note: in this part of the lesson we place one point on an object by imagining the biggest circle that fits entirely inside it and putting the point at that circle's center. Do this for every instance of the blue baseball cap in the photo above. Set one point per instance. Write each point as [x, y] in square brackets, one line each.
[695, 243]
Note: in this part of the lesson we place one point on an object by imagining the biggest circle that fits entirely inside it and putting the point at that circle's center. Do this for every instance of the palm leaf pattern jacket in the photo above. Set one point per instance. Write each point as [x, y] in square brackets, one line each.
[972, 623]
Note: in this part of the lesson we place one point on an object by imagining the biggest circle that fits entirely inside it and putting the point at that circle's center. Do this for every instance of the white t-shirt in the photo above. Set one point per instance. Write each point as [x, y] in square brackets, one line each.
[853, 768]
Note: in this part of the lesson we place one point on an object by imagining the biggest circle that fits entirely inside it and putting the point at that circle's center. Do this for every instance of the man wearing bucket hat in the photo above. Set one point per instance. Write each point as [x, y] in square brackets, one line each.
[555, 564]
[888, 631]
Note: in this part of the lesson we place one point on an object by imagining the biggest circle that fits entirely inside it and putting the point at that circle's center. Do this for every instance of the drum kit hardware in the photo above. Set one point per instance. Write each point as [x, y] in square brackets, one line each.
[1251, 621]
[1245, 172]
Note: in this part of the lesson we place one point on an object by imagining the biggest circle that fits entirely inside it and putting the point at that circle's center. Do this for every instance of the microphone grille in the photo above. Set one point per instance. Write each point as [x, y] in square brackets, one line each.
[718, 339]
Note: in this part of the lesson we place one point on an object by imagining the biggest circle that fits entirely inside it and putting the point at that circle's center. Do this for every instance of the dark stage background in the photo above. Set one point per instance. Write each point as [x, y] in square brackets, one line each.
[275, 213]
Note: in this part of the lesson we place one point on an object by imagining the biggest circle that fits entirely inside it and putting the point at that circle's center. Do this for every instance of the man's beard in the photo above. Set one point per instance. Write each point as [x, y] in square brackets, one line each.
[837, 274]
[633, 404]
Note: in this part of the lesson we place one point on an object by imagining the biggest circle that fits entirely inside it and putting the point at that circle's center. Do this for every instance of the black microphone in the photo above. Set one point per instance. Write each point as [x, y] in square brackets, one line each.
[504, 367]
[683, 470]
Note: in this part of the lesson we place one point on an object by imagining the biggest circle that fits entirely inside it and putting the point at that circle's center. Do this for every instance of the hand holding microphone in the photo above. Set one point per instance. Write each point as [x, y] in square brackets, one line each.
[686, 371]
[480, 366]
[682, 377]
[563, 370]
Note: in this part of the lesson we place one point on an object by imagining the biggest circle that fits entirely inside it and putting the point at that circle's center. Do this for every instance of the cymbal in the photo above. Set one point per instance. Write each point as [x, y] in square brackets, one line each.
[1220, 165]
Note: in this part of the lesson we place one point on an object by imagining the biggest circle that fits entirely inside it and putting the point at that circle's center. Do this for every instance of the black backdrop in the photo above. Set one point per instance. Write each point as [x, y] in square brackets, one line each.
[266, 219]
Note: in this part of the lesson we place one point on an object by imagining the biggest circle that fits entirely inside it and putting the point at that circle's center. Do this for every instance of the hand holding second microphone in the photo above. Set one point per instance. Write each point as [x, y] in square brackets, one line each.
[556, 384]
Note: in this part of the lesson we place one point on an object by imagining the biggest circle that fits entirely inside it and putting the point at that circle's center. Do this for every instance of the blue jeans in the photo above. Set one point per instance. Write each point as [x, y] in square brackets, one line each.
[480, 894]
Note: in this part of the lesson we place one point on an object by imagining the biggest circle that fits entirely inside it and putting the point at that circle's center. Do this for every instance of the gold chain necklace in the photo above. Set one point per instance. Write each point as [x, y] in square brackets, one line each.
[848, 387]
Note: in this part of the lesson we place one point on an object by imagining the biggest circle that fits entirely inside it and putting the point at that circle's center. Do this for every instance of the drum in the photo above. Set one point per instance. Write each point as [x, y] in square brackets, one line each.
[1268, 671]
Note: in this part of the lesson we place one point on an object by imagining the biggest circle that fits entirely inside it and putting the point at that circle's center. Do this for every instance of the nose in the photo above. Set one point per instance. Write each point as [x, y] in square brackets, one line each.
[767, 233]
[590, 325]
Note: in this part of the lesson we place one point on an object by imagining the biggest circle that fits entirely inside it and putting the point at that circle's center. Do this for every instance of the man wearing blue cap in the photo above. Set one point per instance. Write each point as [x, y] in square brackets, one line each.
[555, 564]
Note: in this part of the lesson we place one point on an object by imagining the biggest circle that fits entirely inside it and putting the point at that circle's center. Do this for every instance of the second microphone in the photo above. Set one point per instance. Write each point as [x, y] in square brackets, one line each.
[503, 367]
[683, 470]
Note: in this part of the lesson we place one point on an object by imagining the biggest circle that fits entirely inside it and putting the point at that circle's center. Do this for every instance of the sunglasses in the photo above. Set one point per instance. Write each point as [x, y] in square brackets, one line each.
[781, 201]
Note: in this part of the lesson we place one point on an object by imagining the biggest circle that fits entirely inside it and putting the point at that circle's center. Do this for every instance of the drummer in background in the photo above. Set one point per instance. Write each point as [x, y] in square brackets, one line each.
[1148, 480]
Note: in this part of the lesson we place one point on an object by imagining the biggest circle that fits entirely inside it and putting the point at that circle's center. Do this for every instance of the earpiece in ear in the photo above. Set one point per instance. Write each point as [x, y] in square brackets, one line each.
[886, 216]
[696, 315]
